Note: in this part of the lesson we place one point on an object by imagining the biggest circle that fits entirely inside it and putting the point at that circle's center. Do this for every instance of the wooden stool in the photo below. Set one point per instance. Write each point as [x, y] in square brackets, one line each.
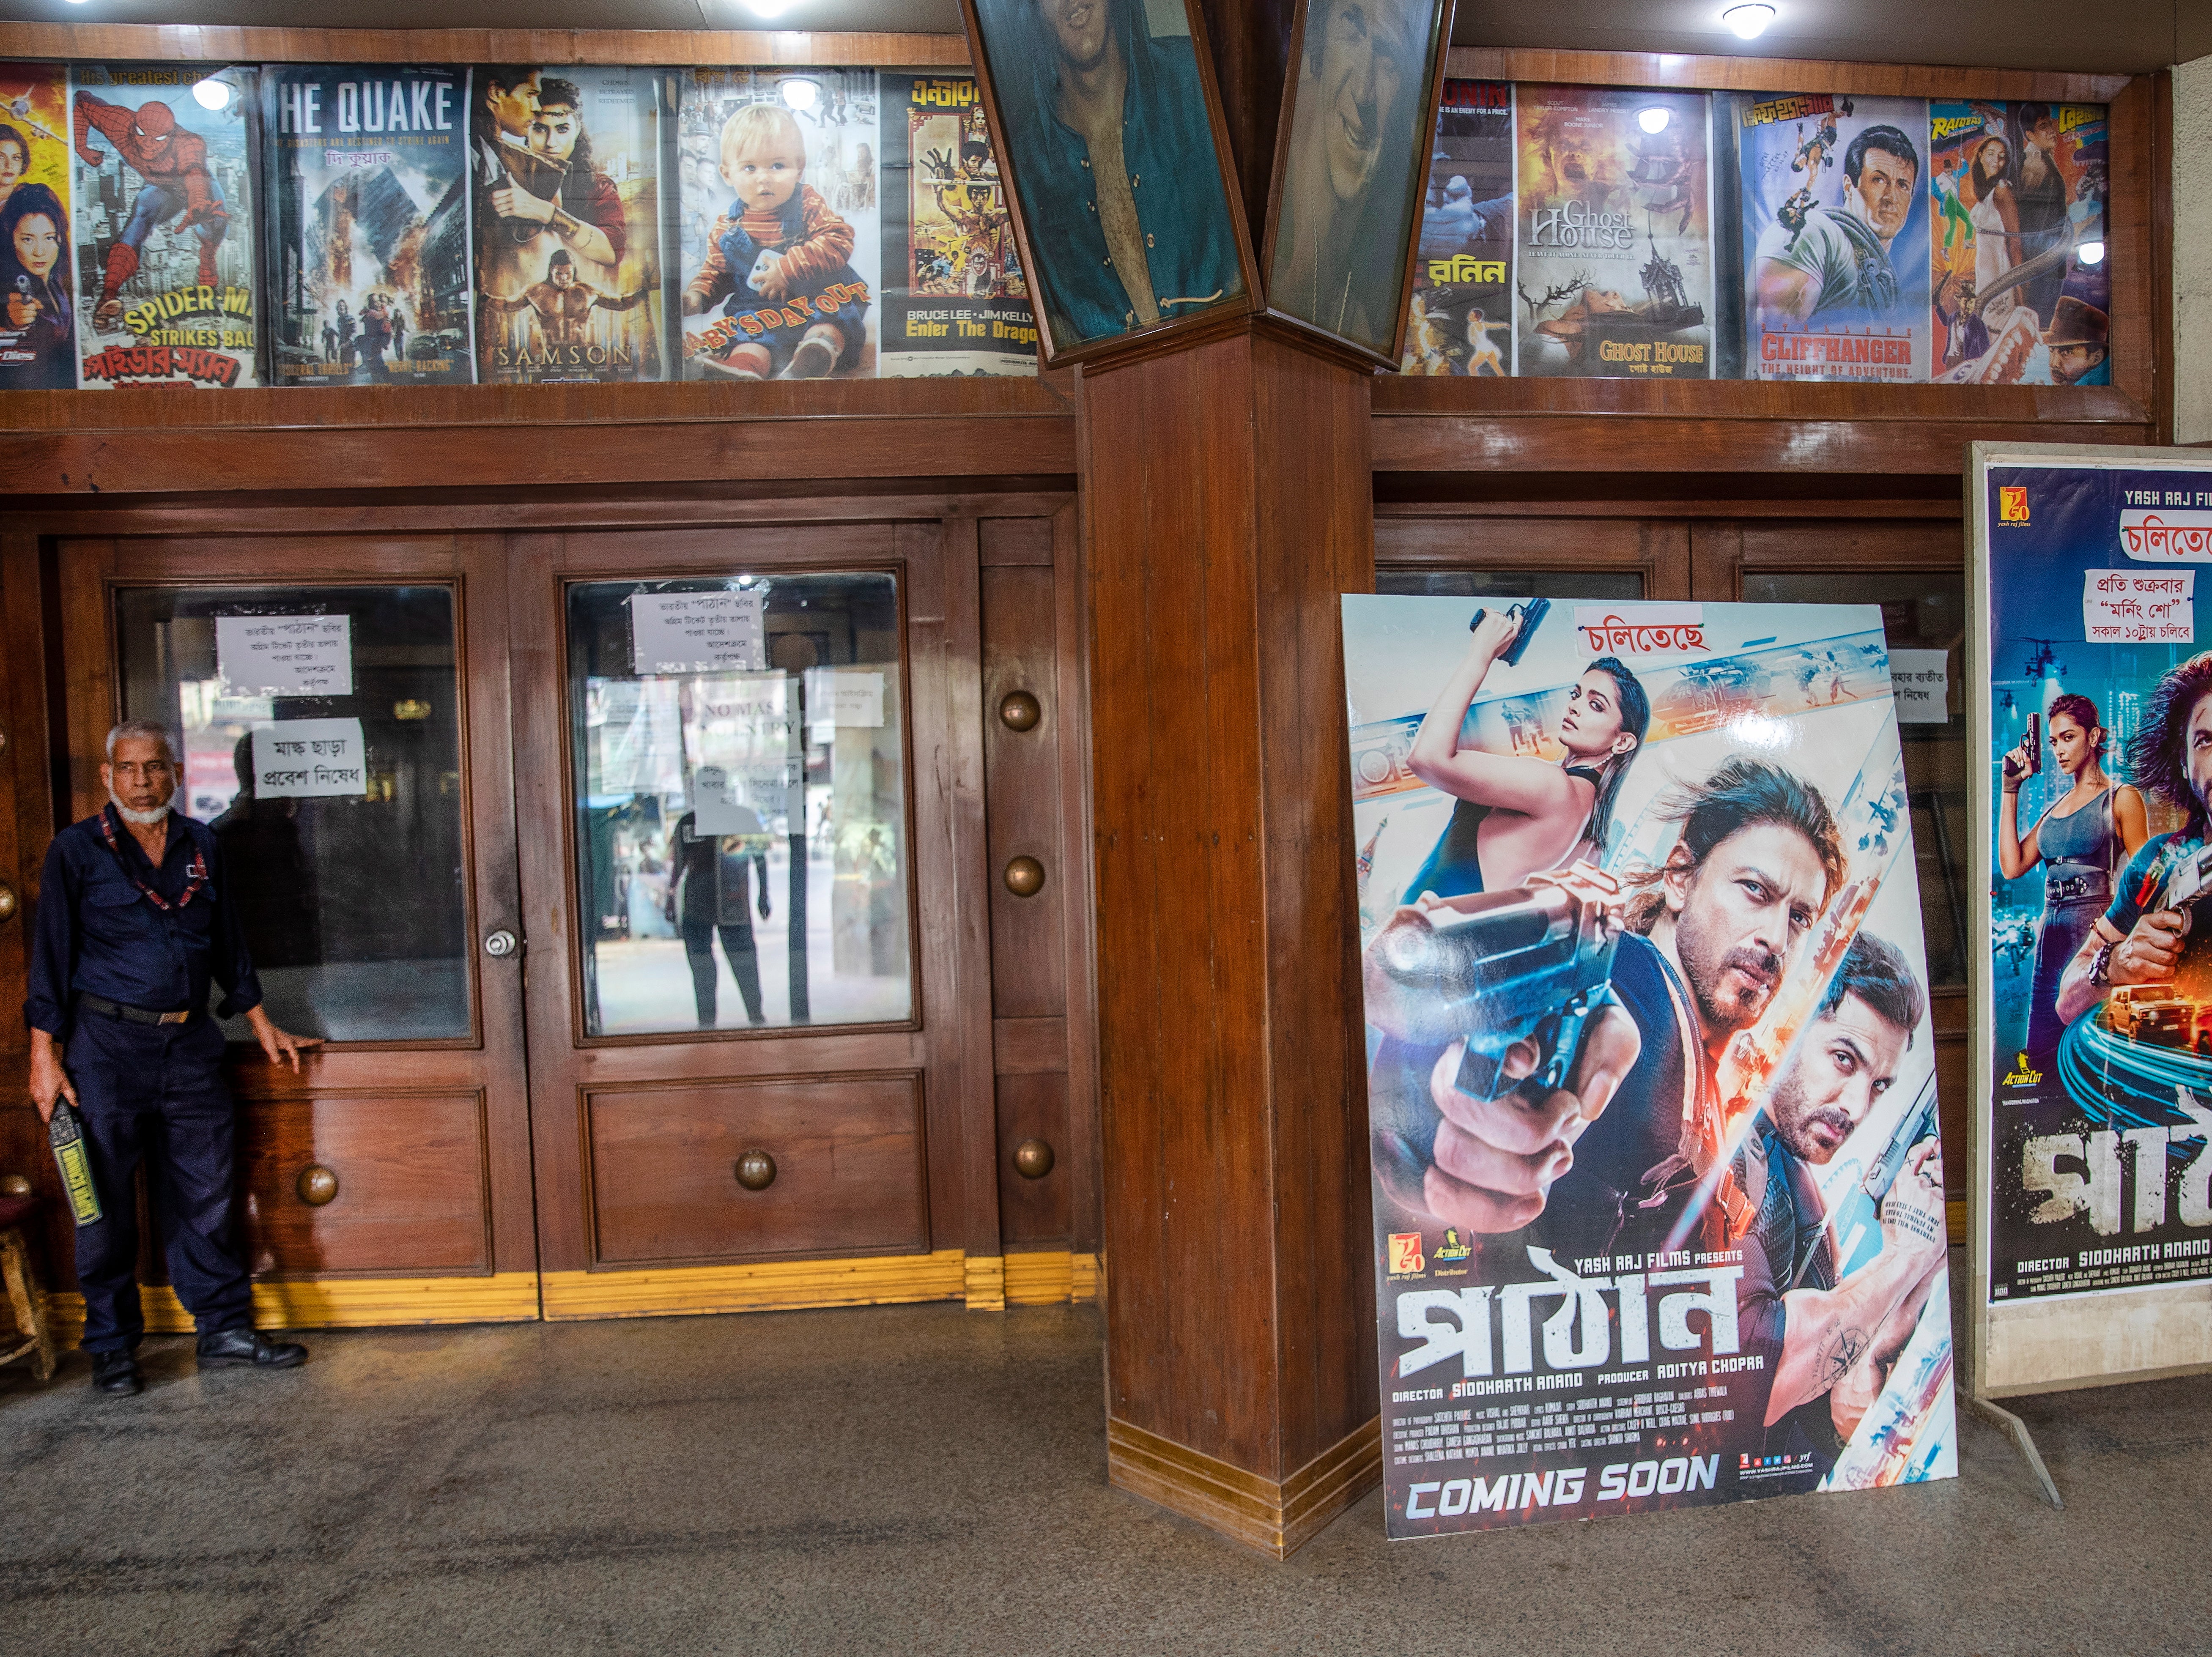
[34, 1331]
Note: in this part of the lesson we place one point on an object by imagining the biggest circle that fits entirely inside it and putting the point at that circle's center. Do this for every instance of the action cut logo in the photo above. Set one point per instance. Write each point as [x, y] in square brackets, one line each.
[1405, 1254]
[2012, 503]
[2023, 1074]
[1452, 1247]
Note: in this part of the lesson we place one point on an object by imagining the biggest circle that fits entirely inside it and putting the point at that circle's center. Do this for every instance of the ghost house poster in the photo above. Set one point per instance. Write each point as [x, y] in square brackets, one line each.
[1658, 1196]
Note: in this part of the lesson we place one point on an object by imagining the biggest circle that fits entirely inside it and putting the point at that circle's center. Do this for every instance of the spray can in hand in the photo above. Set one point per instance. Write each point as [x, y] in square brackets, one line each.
[67, 1134]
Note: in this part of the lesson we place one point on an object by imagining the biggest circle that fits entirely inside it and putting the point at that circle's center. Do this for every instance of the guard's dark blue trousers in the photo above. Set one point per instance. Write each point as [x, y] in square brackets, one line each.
[154, 1092]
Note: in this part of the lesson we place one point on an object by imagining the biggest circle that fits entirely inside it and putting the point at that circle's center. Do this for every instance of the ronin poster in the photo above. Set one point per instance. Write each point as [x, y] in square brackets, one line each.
[1835, 237]
[780, 225]
[2021, 287]
[164, 224]
[2100, 710]
[1616, 270]
[957, 302]
[1658, 1198]
[565, 165]
[1460, 318]
[367, 262]
[38, 298]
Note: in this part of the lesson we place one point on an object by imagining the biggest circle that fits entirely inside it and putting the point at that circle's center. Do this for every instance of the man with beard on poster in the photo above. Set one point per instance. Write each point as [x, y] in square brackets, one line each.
[1623, 1157]
[1829, 1345]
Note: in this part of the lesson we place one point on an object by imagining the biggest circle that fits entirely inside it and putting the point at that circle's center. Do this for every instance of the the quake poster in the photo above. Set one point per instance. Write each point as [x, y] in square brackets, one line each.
[1460, 317]
[2100, 757]
[368, 261]
[955, 299]
[565, 173]
[780, 230]
[1658, 1196]
[1614, 274]
[37, 296]
[1834, 202]
[164, 224]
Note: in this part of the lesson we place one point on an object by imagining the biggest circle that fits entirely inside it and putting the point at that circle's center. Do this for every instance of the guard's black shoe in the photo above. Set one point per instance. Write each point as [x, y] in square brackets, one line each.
[248, 1349]
[116, 1373]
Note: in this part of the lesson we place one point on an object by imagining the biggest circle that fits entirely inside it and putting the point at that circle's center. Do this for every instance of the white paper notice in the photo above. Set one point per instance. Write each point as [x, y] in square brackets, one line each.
[741, 735]
[2123, 607]
[695, 632]
[738, 799]
[1921, 681]
[284, 655]
[846, 696]
[310, 759]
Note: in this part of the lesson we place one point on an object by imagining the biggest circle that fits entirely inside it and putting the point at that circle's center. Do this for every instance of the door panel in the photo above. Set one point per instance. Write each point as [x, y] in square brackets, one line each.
[1589, 558]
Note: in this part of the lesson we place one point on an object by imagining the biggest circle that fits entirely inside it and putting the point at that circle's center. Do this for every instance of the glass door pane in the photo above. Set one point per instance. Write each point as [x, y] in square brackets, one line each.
[738, 755]
[321, 733]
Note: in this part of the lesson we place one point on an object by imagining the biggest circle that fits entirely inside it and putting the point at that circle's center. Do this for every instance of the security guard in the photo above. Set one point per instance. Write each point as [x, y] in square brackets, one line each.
[134, 918]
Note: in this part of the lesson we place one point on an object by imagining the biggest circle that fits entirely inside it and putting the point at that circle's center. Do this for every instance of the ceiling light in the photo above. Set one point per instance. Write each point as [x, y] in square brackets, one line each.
[212, 93]
[2090, 252]
[1653, 118]
[769, 8]
[1749, 22]
[800, 94]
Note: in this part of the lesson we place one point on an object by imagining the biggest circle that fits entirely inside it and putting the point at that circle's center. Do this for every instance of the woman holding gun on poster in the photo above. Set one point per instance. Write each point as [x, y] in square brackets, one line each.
[1516, 816]
[2083, 838]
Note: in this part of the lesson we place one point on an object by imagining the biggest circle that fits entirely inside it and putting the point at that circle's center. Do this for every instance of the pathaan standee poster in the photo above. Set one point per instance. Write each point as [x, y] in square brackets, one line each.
[1658, 1193]
[2098, 770]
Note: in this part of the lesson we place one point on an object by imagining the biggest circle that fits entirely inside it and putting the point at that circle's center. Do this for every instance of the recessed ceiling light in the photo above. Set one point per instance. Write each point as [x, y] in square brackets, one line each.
[769, 9]
[1749, 22]
[1654, 117]
[211, 94]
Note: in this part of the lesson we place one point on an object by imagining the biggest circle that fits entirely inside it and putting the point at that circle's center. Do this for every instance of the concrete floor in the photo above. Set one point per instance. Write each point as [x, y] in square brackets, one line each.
[929, 1479]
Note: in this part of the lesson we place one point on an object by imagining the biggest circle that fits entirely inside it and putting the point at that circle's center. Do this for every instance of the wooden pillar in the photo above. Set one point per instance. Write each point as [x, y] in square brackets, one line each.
[1227, 497]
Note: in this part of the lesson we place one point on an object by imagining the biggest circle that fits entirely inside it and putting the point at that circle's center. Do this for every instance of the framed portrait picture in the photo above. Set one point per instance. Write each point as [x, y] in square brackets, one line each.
[1359, 114]
[1118, 168]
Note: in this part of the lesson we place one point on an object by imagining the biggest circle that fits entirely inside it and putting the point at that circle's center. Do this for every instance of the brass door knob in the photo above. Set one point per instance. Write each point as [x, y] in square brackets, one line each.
[317, 1185]
[757, 1170]
[1024, 877]
[6, 902]
[13, 1184]
[1019, 711]
[1033, 1159]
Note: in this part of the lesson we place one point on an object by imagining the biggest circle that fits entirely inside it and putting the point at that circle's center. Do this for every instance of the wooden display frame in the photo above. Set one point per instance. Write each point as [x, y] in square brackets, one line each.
[1438, 52]
[1139, 341]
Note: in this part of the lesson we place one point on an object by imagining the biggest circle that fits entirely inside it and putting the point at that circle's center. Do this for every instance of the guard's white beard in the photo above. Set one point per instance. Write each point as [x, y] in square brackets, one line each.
[144, 819]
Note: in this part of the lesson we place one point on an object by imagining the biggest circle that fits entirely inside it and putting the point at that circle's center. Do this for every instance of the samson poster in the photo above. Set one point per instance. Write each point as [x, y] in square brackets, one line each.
[164, 224]
[2099, 723]
[780, 223]
[1835, 237]
[1616, 270]
[1658, 1196]
[956, 301]
[1460, 318]
[367, 263]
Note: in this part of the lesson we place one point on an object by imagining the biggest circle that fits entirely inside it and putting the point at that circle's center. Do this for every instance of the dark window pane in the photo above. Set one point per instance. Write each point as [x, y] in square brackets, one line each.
[1428, 581]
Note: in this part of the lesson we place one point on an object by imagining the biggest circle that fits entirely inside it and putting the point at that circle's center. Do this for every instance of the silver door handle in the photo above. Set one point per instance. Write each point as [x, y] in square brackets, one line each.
[502, 945]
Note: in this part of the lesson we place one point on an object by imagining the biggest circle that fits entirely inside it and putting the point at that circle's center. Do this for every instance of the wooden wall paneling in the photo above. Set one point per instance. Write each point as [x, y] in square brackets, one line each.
[1077, 863]
[218, 43]
[87, 645]
[2132, 229]
[1032, 1212]
[1716, 561]
[2161, 252]
[1695, 71]
[1657, 550]
[1024, 540]
[1029, 966]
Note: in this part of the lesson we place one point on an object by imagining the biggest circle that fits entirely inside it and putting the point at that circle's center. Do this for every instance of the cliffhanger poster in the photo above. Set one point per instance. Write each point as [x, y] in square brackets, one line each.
[164, 224]
[956, 301]
[1658, 1197]
[2099, 1141]
[1614, 276]
[780, 223]
[1835, 236]
[37, 300]
[367, 262]
[565, 165]
[1460, 318]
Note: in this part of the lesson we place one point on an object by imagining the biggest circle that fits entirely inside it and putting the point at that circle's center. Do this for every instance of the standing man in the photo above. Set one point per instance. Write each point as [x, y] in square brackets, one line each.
[136, 915]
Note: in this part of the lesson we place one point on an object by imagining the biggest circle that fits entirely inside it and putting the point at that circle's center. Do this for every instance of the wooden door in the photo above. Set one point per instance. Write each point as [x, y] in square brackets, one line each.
[391, 1182]
[735, 1104]
[1592, 559]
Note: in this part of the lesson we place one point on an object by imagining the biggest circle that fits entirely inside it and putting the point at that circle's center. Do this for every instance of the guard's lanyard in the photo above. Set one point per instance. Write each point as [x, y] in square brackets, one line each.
[197, 873]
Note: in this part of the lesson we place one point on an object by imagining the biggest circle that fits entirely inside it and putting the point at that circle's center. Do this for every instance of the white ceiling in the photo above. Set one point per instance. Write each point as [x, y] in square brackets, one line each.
[2093, 36]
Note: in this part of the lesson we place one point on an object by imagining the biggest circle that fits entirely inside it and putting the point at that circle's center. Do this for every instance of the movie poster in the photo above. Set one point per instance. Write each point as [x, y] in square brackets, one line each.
[38, 301]
[164, 224]
[565, 187]
[2100, 1134]
[957, 302]
[1615, 270]
[2021, 287]
[780, 223]
[1460, 318]
[1658, 1197]
[1835, 237]
[368, 261]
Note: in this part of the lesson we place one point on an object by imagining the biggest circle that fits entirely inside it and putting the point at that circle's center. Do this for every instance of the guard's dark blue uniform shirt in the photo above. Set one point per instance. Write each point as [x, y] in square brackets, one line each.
[98, 933]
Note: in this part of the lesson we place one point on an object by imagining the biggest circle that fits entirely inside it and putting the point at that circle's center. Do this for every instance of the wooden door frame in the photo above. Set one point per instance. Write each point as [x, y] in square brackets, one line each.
[1653, 545]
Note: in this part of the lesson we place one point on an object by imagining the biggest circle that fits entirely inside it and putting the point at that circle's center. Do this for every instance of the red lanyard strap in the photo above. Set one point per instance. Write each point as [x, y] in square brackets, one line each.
[196, 871]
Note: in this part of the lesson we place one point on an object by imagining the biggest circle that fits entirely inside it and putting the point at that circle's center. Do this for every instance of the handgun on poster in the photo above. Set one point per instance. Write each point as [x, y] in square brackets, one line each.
[1855, 1222]
[1532, 965]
